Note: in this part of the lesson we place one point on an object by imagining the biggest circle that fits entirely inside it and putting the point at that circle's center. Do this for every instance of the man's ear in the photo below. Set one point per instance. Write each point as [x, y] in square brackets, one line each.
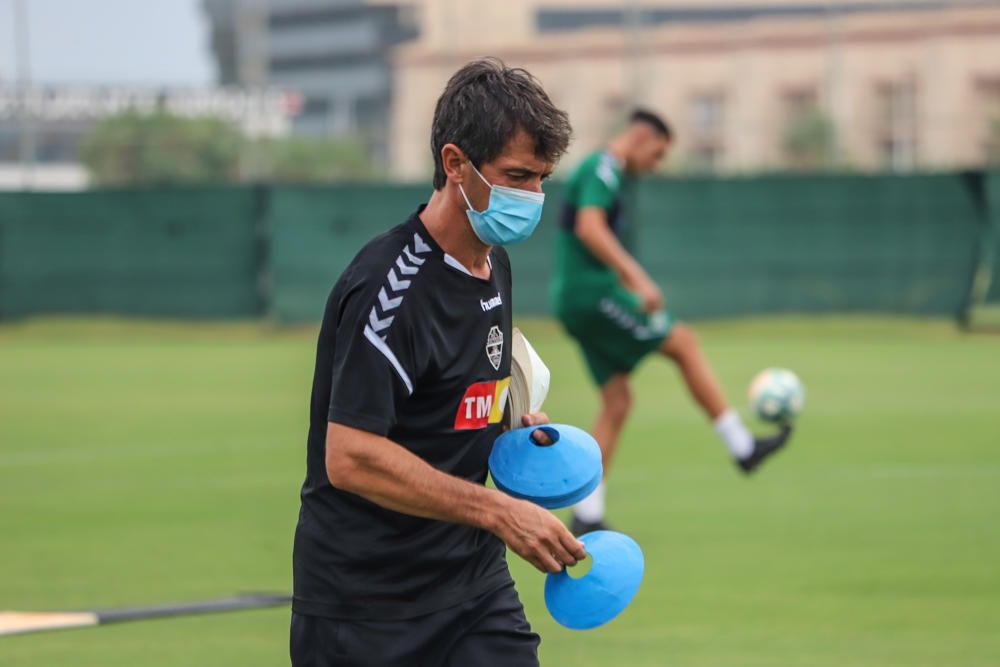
[452, 158]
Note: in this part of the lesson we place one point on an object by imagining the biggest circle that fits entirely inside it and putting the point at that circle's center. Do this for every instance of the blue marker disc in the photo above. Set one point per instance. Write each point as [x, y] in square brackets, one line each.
[602, 593]
[553, 476]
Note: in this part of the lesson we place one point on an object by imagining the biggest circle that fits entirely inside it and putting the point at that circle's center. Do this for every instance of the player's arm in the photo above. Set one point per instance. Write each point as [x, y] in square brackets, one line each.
[594, 232]
[390, 475]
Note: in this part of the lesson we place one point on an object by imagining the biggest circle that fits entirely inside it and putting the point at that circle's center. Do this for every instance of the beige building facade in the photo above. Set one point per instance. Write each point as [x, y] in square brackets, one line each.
[748, 86]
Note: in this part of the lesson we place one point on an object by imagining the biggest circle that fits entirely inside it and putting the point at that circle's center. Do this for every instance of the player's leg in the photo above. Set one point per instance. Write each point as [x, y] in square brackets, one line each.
[683, 348]
[616, 403]
[614, 335]
[492, 630]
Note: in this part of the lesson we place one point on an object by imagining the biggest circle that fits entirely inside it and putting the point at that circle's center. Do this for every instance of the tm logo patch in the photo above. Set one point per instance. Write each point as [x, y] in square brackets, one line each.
[483, 404]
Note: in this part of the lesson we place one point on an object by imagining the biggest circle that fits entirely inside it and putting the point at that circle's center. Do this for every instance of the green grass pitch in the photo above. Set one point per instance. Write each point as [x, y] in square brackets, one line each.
[144, 463]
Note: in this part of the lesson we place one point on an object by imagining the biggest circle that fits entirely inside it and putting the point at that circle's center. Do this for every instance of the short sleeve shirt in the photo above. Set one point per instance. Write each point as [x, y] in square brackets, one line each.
[414, 348]
[599, 181]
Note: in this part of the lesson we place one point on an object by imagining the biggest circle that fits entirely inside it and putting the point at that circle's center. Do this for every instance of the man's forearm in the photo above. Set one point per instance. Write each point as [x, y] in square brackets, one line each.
[593, 231]
[389, 475]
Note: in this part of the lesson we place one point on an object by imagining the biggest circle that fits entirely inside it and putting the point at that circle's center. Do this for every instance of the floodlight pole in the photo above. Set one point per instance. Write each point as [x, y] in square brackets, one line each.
[23, 55]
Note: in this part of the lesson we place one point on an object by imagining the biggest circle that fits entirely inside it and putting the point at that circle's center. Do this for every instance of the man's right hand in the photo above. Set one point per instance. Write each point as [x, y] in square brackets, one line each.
[537, 536]
[594, 232]
[647, 290]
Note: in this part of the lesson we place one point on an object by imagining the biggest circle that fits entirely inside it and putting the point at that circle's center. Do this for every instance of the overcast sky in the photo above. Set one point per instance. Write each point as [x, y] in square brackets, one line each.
[156, 42]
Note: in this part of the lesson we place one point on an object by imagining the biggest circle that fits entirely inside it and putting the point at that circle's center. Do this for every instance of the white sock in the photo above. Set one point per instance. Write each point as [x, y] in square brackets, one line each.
[591, 508]
[736, 436]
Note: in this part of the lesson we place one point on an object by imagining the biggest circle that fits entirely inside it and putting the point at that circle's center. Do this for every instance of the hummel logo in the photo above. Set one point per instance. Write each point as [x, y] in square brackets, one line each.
[491, 304]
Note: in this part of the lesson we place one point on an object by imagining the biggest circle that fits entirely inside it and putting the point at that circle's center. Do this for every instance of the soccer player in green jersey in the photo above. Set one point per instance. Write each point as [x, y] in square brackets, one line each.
[609, 304]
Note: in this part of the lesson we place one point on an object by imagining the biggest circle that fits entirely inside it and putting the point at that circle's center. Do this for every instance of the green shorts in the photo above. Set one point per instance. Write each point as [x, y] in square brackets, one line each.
[613, 331]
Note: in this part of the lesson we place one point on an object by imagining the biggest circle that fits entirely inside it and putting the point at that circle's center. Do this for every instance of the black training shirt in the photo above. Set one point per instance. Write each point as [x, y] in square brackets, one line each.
[414, 348]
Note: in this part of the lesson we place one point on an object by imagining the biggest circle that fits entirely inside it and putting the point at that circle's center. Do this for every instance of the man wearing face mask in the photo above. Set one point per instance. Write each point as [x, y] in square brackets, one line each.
[610, 305]
[399, 549]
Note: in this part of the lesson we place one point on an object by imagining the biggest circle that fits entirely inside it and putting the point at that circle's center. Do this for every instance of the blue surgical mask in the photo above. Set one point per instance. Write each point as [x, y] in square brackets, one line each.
[511, 216]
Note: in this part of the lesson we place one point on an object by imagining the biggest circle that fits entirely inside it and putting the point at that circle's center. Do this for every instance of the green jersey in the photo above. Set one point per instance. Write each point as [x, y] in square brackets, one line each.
[606, 319]
[598, 181]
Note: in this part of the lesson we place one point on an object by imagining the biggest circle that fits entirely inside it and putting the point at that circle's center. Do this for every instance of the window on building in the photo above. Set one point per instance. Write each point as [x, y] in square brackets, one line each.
[617, 103]
[799, 100]
[898, 155]
[9, 143]
[615, 108]
[372, 113]
[58, 144]
[707, 123]
[408, 20]
[896, 124]
[316, 106]
[707, 114]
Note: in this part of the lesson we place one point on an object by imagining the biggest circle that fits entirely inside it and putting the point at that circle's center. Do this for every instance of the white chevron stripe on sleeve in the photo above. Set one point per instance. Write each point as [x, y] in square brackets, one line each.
[395, 283]
[381, 346]
[386, 302]
[419, 244]
[416, 261]
[404, 268]
[376, 323]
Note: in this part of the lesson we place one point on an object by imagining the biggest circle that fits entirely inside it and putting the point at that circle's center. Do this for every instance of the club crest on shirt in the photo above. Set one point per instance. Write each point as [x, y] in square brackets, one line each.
[494, 347]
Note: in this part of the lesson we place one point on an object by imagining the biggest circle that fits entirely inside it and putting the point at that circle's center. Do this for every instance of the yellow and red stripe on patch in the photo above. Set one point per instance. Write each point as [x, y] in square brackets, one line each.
[482, 405]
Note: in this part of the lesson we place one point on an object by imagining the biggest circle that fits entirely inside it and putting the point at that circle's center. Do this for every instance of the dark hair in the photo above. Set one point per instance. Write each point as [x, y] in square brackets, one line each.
[484, 105]
[653, 120]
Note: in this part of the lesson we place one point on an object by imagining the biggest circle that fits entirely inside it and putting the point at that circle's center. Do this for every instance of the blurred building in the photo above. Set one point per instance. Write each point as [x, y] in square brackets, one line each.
[335, 53]
[43, 128]
[748, 84]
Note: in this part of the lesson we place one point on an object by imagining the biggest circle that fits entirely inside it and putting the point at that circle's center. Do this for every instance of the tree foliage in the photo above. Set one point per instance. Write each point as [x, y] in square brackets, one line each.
[161, 148]
[308, 160]
[809, 140]
[166, 149]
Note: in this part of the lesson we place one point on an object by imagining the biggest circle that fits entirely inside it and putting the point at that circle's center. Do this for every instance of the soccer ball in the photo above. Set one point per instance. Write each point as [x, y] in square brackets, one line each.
[777, 395]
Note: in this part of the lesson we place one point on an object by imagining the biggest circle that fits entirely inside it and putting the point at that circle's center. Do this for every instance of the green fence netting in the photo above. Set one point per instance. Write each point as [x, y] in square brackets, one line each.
[810, 244]
[993, 239]
[183, 253]
[897, 244]
[984, 297]
[315, 232]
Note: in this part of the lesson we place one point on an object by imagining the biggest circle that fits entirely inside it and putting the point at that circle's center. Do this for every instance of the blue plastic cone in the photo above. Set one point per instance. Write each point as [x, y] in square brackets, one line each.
[553, 476]
[602, 593]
